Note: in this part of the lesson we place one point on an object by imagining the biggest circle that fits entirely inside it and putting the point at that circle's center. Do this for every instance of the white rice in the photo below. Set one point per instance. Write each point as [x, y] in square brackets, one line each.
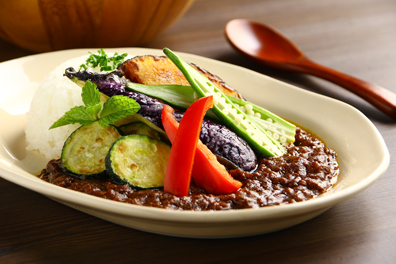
[55, 96]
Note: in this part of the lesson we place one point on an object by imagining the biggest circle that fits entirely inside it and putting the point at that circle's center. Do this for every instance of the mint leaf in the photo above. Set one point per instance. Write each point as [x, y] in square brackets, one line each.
[77, 114]
[90, 94]
[94, 110]
[114, 108]
[117, 107]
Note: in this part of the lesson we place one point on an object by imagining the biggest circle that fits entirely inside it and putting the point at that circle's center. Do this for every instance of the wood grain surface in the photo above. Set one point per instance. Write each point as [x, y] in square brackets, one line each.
[356, 37]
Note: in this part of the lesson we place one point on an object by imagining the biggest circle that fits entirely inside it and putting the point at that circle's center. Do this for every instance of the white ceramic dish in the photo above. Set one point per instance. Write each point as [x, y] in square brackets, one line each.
[342, 127]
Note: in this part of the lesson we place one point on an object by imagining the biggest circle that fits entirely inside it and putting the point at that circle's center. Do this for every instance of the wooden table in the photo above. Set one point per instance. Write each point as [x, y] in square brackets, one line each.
[356, 36]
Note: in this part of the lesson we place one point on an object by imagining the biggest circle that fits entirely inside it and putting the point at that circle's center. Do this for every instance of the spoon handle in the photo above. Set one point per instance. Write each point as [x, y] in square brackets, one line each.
[378, 96]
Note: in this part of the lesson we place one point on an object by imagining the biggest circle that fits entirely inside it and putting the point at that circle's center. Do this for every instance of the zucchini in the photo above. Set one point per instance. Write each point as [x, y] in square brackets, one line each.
[139, 161]
[139, 118]
[234, 118]
[85, 150]
[140, 129]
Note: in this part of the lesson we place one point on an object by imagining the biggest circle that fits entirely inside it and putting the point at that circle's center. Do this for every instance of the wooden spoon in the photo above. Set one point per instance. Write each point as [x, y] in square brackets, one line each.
[267, 46]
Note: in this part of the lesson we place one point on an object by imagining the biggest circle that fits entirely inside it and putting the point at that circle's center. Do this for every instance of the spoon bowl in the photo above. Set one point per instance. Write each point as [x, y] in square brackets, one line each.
[261, 43]
[269, 47]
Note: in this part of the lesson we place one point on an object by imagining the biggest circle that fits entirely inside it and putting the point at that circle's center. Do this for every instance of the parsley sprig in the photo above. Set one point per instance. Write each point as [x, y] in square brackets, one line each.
[115, 108]
[105, 62]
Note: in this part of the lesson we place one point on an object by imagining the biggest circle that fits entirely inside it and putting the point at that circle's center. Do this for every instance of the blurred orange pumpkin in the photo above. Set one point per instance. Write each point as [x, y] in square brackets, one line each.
[46, 25]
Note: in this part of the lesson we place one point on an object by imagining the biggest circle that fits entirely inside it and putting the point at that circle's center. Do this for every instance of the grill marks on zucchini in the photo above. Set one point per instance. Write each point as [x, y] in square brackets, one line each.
[84, 152]
[138, 160]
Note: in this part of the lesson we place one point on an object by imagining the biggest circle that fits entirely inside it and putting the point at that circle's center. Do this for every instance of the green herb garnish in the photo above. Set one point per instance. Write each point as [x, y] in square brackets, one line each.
[115, 108]
[106, 63]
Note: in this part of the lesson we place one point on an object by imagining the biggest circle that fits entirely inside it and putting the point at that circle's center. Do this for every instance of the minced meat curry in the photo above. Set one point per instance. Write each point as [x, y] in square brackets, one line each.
[307, 170]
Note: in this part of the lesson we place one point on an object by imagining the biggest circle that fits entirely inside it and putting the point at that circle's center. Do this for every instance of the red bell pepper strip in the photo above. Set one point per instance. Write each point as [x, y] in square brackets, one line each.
[184, 144]
[207, 171]
[210, 175]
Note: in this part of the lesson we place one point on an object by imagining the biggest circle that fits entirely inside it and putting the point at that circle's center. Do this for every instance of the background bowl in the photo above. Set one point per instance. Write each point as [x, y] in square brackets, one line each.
[47, 25]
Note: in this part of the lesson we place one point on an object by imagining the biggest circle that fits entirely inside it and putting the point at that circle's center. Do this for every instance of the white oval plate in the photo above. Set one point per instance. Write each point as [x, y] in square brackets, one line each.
[363, 155]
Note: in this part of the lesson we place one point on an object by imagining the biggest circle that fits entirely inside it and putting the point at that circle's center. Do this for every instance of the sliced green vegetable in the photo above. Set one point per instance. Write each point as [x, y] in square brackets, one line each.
[139, 128]
[234, 118]
[280, 129]
[139, 161]
[84, 152]
[177, 96]
[181, 97]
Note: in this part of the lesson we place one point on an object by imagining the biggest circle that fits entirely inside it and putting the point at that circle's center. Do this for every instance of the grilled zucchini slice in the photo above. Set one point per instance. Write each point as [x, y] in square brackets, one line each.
[138, 160]
[84, 152]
